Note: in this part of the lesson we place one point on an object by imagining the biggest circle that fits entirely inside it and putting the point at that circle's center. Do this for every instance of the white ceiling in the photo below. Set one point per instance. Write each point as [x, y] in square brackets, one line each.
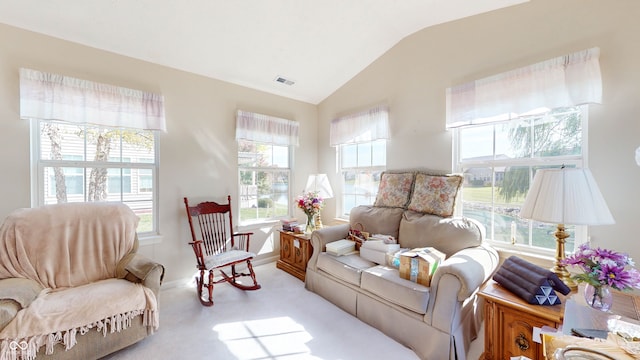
[318, 44]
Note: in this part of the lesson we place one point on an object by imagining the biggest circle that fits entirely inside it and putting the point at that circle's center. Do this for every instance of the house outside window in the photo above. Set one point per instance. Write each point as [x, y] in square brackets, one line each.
[360, 167]
[509, 125]
[93, 142]
[265, 151]
[498, 162]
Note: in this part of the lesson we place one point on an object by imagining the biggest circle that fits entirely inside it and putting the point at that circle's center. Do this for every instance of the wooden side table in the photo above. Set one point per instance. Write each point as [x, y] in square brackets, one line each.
[509, 323]
[509, 320]
[295, 251]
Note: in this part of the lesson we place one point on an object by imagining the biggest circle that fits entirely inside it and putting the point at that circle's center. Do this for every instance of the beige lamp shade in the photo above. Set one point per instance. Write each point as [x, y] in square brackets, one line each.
[319, 183]
[566, 196]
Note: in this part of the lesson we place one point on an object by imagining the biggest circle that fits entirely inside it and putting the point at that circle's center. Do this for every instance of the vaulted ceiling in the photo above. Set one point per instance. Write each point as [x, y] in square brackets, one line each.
[315, 45]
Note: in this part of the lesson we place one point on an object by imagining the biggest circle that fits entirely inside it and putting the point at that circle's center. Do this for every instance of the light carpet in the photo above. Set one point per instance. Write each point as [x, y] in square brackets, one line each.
[281, 321]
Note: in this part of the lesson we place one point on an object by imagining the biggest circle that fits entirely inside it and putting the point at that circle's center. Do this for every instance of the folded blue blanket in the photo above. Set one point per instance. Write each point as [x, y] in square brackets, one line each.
[530, 282]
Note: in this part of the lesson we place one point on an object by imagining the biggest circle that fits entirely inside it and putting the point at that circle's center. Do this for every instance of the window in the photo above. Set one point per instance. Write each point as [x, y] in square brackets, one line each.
[498, 161]
[361, 143]
[360, 167]
[82, 162]
[265, 147]
[508, 126]
[102, 145]
[264, 180]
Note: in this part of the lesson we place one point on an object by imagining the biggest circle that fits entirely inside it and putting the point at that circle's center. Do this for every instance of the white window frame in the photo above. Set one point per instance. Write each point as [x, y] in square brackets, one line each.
[289, 172]
[38, 179]
[343, 213]
[581, 232]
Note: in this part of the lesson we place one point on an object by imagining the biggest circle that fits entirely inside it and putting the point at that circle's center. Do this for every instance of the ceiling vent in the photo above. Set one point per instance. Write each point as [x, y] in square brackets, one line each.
[285, 81]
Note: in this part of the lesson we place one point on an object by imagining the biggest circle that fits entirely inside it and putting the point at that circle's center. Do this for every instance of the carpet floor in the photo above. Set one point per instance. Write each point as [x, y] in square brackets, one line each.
[281, 321]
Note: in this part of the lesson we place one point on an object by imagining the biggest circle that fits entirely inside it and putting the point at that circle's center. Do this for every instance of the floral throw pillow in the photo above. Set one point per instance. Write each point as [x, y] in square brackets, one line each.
[435, 194]
[394, 190]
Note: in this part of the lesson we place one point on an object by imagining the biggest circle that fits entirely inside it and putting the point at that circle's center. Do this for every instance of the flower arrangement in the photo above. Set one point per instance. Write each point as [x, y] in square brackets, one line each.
[311, 203]
[602, 267]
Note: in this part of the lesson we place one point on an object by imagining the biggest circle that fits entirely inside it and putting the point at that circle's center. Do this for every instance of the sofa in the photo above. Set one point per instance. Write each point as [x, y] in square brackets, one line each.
[72, 285]
[437, 321]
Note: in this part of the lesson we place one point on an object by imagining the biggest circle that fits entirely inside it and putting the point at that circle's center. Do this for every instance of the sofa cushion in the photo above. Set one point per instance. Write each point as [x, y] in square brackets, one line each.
[394, 189]
[448, 235]
[347, 268]
[385, 282]
[435, 194]
[377, 220]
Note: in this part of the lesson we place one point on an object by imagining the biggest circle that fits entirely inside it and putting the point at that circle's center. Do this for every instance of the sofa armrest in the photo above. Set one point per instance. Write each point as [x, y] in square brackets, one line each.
[455, 283]
[139, 268]
[321, 237]
[21, 290]
[15, 295]
[471, 267]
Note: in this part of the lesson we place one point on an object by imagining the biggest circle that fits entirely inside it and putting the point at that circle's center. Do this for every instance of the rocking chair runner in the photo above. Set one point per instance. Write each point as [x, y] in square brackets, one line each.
[218, 247]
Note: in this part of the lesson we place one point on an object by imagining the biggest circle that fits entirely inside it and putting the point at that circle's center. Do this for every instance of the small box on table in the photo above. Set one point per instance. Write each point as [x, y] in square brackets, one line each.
[419, 264]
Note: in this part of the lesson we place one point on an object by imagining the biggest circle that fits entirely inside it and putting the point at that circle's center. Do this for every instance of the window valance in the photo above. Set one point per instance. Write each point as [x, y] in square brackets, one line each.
[564, 81]
[264, 128]
[364, 126]
[58, 97]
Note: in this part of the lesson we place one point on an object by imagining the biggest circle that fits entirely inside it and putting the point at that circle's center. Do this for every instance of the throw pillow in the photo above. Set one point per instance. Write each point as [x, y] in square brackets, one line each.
[435, 194]
[394, 189]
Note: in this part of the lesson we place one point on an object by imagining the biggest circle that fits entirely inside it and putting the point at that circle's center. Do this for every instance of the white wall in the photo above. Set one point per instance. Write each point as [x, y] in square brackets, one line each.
[197, 153]
[412, 78]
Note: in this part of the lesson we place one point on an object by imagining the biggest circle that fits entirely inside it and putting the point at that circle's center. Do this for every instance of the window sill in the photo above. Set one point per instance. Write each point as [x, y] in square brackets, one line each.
[258, 225]
[539, 257]
[150, 240]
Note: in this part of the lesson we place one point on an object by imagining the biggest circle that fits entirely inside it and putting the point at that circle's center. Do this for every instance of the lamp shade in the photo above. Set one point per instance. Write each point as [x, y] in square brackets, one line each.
[319, 183]
[566, 196]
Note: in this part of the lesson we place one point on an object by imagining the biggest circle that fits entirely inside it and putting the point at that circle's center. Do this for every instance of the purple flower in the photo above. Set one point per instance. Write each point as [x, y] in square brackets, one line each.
[604, 267]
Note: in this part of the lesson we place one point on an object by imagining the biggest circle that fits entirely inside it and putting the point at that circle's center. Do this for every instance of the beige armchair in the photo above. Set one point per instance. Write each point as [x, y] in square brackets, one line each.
[71, 283]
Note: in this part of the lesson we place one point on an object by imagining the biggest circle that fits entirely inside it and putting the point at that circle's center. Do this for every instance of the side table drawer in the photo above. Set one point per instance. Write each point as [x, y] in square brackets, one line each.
[518, 334]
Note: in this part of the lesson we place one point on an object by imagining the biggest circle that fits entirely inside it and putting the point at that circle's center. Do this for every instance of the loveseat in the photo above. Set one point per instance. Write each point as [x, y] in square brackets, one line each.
[439, 321]
[71, 283]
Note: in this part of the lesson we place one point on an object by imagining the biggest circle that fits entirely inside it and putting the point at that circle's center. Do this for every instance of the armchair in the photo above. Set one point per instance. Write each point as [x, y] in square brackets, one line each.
[72, 285]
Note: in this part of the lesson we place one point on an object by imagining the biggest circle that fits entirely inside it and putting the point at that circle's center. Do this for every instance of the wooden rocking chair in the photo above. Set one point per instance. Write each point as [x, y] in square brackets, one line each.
[218, 247]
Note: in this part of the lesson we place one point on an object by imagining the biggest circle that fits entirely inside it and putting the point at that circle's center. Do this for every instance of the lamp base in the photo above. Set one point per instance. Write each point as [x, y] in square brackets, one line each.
[318, 221]
[559, 268]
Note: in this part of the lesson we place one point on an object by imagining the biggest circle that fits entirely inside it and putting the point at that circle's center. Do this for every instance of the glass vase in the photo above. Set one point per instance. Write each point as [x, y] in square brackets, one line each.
[311, 224]
[598, 297]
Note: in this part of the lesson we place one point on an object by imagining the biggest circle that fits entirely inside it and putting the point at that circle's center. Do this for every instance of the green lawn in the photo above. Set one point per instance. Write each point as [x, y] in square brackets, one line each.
[483, 194]
[247, 214]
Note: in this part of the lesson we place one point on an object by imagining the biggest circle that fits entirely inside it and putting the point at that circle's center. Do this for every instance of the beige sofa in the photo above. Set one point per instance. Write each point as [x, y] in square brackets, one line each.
[437, 322]
[71, 283]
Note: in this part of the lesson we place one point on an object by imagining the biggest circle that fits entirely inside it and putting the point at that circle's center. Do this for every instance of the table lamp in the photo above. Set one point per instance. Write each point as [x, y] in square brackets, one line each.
[319, 183]
[565, 196]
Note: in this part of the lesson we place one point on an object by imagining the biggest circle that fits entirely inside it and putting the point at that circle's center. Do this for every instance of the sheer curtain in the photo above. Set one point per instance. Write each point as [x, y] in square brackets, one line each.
[265, 128]
[369, 125]
[568, 80]
[58, 97]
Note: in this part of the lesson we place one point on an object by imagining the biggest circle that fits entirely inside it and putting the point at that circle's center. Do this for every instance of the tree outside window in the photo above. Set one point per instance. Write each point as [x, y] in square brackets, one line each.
[82, 162]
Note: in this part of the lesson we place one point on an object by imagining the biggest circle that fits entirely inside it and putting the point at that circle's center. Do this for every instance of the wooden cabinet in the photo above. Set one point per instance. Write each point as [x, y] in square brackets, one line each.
[295, 251]
[509, 323]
